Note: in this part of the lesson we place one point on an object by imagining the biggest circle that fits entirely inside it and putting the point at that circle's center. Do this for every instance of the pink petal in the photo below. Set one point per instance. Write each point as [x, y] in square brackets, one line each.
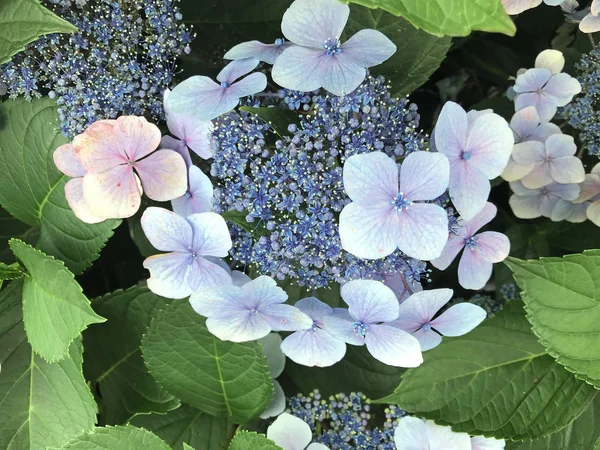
[370, 301]
[524, 122]
[553, 60]
[420, 307]
[368, 48]
[560, 145]
[424, 175]
[451, 250]
[545, 106]
[529, 152]
[115, 193]
[422, 231]
[96, 148]
[371, 178]
[136, 136]
[66, 160]
[482, 218]
[311, 22]
[490, 143]
[167, 231]
[297, 68]
[211, 235]
[532, 81]
[469, 189]
[393, 347]
[473, 272]
[459, 319]
[163, 175]
[74, 195]
[451, 130]
[369, 231]
[562, 87]
[492, 246]
[198, 198]
[237, 69]
[169, 274]
[427, 339]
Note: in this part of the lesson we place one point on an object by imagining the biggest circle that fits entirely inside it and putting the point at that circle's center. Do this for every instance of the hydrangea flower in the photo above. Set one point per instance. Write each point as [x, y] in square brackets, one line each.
[589, 198]
[591, 22]
[189, 240]
[555, 161]
[531, 203]
[117, 162]
[255, 49]
[271, 349]
[420, 434]
[513, 7]
[481, 250]
[315, 345]
[319, 59]
[483, 443]
[202, 98]
[530, 135]
[372, 308]
[546, 90]
[388, 209]
[478, 146]
[249, 312]
[292, 433]
[198, 197]
[418, 310]
[570, 211]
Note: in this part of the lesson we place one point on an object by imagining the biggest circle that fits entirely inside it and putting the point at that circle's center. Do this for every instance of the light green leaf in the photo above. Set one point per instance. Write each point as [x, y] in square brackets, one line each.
[220, 378]
[579, 434]
[188, 425]
[117, 438]
[113, 357]
[249, 440]
[32, 188]
[278, 118]
[41, 404]
[187, 447]
[448, 17]
[55, 311]
[419, 53]
[22, 22]
[11, 272]
[562, 300]
[597, 446]
[497, 380]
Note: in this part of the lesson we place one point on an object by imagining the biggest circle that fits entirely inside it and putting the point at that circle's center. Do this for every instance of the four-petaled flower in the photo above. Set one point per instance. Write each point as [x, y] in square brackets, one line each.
[255, 49]
[481, 250]
[249, 312]
[387, 213]
[190, 240]
[319, 59]
[532, 203]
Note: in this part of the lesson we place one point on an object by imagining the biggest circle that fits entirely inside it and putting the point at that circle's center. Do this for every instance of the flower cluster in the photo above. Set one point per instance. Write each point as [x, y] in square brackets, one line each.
[119, 62]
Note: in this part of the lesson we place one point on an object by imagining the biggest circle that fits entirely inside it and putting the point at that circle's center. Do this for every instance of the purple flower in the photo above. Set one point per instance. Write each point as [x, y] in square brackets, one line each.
[481, 250]
[314, 346]
[387, 213]
[478, 147]
[256, 49]
[532, 203]
[372, 308]
[203, 99]
[418, 310]
[319, 59]
[199, 196]
[249, 312]
[190, 240]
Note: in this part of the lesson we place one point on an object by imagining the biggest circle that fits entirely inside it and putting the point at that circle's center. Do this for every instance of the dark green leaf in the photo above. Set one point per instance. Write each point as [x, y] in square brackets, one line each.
[220, 378]
[113, 357]
[41, 405]
[562, 300]
[11, 227]
[117, 438]
[188, 425]
[497, 380]
[278, 118]
[55, 311]
[32, 188]
[249, 440]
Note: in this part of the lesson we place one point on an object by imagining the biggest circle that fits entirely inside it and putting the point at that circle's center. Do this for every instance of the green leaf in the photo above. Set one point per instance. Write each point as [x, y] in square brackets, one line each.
[32, 188]
[562, 301]
[11, 272]
[419, 53]
[187, 447]
[278, 118]
[113, 357]
[217, 377]
[55, 311]
[249, 440]
[187, 425]
[11, 227]
[117, 438]
[497, 380]
[22, 22]
[448, 17]
[42, 405]
[579, 434]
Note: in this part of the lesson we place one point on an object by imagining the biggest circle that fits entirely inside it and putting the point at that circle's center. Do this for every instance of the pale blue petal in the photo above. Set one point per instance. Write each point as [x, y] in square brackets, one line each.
[211, 235]
[311, 22]
[193, 133]
[411, 434]
[418, 309]
[256, 49]
[277, 405]
[459, 319]
[314, 308]
[289, 432]
[427, 339]
[298, 68]
[532, 80]
[237, 69]
[271, 349]
[481, 219]
[524, 122]
[545, 106]
[473, 272]
[562, 87]
[492, 246]
[422, 231]
[452, 248]
[239, 325]
[166, 231]
[370, 301]
[285, 317]
[252, 84]
[313, 348]
[340, 74]
[469, 189]
[264, 291]
[451, 131]
[205, 274]
[199, 197]
[168, 275]
[239, 278]
[424, 175]
[200, 97]
[490, 144]
[216, 301]
[368, 48]
[393, 346]
[343, 330]
[371, 178]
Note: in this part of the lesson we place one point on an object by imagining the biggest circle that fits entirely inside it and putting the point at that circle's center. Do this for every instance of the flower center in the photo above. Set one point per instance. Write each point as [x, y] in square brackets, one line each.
[466, 156]
[471, 243]
[426, 327]
[400, 202]
[279, 41]
[332, 46]
[188, 194]
[361, 328]
[224, 84]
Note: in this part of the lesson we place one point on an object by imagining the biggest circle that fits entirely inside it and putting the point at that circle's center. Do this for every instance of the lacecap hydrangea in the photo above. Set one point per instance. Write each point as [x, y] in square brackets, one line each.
[285, 185]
